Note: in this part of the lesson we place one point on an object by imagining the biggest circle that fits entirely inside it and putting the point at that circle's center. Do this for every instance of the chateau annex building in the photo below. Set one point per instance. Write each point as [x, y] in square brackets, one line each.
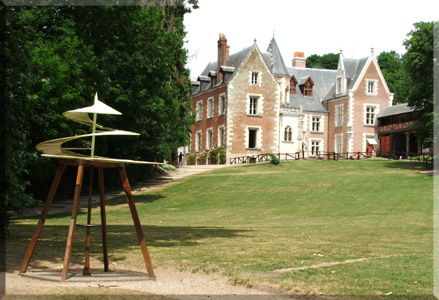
[251, 103]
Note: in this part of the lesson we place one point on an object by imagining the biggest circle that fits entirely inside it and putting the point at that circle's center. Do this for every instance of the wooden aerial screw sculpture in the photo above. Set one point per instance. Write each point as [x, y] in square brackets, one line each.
[54, 148]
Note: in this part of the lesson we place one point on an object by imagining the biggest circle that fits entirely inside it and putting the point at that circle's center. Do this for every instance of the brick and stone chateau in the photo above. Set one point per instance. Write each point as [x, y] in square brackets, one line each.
[251, 103]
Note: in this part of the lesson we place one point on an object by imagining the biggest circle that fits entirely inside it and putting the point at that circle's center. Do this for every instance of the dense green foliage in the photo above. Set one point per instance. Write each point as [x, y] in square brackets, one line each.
[325, 61]
[418, 62]
[391, 64]
[56, 58]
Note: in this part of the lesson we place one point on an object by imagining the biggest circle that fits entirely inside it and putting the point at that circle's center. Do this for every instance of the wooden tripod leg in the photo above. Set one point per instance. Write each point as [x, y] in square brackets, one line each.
[103, 218]
[130, 200]
[72, 226]
[43, 217]
[86, 270]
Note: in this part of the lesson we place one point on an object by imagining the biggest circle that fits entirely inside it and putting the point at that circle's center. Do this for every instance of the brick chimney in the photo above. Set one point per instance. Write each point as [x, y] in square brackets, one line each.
[223, 54]
[299, 60]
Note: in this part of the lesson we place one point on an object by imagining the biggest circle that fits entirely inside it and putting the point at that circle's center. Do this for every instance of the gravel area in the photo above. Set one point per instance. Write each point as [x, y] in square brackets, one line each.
[170, 283]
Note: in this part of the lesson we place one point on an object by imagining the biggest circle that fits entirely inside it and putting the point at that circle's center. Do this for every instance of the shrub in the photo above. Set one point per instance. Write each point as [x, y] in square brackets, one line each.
[274, 160]
[222, 155]
[191, 159]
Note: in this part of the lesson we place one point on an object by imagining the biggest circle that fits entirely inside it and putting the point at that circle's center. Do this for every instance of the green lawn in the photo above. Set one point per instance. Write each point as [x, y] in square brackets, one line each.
[372, 219]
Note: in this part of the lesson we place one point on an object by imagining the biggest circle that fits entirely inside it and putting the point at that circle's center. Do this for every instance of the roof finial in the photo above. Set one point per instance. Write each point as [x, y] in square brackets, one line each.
[255, 41]
[372, 49]
[341, 51]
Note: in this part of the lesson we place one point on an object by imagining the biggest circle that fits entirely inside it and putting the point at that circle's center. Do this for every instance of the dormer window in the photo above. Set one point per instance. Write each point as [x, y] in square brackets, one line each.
[307, 89]
[293, 85]
[306, 86]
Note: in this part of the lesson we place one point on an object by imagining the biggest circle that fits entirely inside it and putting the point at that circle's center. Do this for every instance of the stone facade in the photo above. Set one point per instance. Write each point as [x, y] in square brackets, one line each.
[251, 103]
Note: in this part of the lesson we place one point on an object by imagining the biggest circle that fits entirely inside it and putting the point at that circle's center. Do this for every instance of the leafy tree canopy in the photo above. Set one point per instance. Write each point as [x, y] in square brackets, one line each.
[391, 64]
[418, 63]
[57, 57]
[326, 61]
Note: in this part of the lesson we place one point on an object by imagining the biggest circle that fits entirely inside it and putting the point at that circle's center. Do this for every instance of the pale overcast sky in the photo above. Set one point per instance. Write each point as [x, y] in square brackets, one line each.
[311, 26]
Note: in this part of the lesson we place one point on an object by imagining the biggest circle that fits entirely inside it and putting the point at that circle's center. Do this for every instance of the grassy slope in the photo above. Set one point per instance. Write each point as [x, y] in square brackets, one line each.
[249, 221]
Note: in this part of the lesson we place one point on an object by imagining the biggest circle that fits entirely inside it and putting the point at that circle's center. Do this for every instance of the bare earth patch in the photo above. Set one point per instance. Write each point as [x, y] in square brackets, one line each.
[170, 283]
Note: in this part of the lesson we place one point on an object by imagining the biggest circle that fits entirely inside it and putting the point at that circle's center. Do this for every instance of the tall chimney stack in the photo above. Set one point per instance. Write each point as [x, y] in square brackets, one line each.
[299, 60]
[223, 54]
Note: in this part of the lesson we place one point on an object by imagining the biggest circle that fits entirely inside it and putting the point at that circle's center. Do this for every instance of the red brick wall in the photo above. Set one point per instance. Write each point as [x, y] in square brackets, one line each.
[205, 123]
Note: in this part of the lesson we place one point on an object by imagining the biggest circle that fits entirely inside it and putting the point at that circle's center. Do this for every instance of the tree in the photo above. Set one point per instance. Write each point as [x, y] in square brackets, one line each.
[418, 63]
[55, 58]
[391, 64]
[326, 61]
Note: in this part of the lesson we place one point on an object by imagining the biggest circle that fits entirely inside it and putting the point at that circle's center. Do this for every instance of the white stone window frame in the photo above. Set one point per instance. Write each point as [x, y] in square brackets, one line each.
[210, 107]
[209, 138]
[375, 87]
[336, 119]
[222, 104]
[258, 143]
[321, 145]
[338, 139]
[259, 106]
[376, 110]
[200, 110]
[221, 140]
[320, 123]
[258, 78]
[198, 140]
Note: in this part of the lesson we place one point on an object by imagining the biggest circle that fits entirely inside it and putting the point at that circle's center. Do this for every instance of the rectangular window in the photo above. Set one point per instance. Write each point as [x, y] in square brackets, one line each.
[339, 115]
[252, 138]
[315, 148]
[307, 89]
[210, 108]
[199, 110]
[315, 126]
[370, 115]
[253, 110]
[198, 142]
[371, 87]
[222, 105]
[209, 143]
[339, 85]
[255, 76]
[221, 136]
[338, 143]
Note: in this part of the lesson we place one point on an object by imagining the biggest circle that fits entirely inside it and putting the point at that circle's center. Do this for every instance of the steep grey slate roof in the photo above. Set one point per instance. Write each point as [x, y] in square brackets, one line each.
[233, 60]
[308, 103]
[323, 82]
[323, 79]
[353, 68]
[395, 110]
[212, 66]
[274, 59]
